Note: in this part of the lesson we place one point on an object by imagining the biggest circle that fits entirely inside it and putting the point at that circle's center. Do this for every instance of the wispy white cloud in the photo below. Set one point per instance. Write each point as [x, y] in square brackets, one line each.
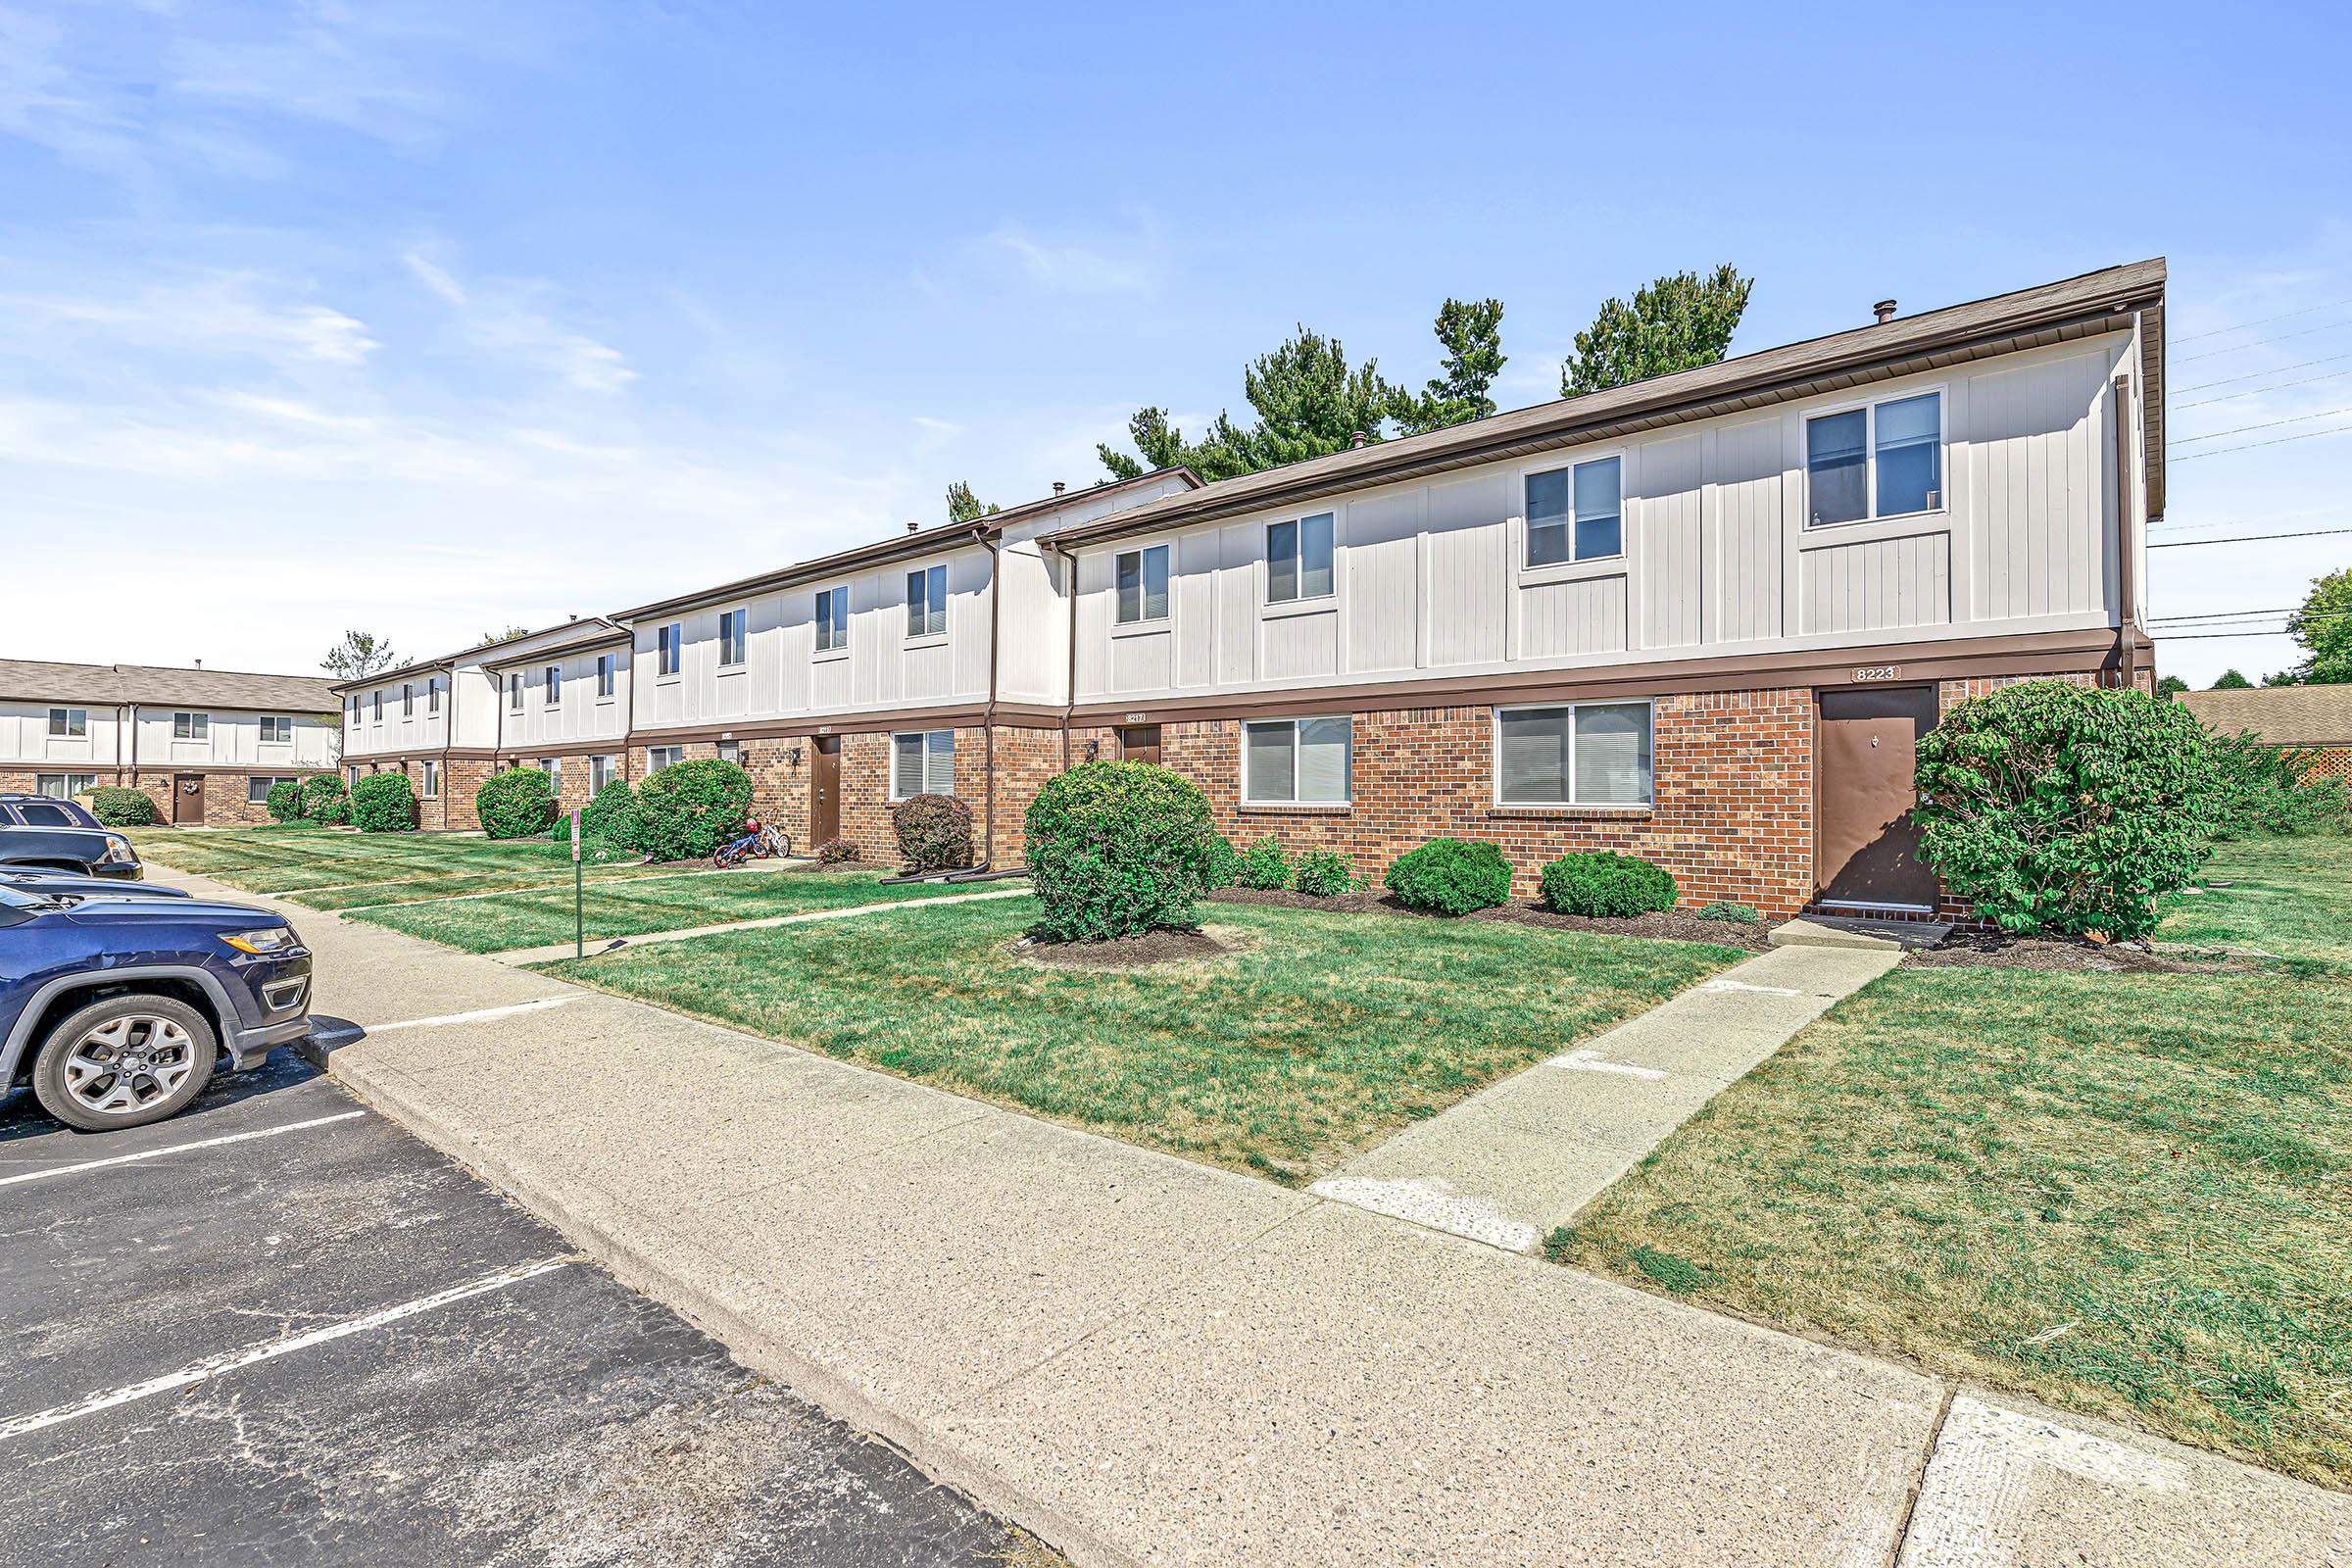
[226, 313]
[938, 427]
[1066, 264]
[500, 315]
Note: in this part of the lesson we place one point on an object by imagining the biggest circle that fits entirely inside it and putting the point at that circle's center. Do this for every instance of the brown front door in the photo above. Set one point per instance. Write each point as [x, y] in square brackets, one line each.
[824, 790]
[1866, 850]
[187, 800]
[1140, 743]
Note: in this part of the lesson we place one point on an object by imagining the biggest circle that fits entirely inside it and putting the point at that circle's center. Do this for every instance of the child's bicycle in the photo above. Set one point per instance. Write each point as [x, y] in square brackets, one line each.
[756, 842]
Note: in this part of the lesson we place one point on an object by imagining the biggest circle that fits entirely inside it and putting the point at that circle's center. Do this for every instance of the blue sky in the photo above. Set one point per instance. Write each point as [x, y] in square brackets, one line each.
[434, 318]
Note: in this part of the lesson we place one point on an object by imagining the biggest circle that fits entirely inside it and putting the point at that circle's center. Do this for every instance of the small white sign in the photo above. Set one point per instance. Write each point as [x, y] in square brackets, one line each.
[575, 832]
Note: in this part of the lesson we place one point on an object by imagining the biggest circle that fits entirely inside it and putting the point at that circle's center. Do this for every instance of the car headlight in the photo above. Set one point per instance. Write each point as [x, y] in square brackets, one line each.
[117, 851]
[268, 939]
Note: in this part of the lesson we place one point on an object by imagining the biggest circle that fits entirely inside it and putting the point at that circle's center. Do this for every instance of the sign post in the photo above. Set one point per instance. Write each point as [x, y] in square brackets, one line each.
[579, 932]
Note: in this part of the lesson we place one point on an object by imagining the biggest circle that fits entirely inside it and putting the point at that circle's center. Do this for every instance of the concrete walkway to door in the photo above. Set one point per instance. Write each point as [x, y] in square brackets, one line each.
[1523, 1156]
[1145, 1360]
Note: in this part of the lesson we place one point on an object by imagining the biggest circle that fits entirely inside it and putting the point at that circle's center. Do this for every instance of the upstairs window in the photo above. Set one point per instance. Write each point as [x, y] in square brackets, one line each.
[191, 726]
[604, 674]
[1576, 514]
[276, 729]
[69, 723]
[1291, 762]
[553, 678]
[832, 619]
[667, 644]
[513, 691]
[922, 763]
[732, 624]
[1885, 459]
[927, 601]
[378, 713]
[1143, 585]
[1299, 560]
[1582, 754]
[432, 694]
[408, 700]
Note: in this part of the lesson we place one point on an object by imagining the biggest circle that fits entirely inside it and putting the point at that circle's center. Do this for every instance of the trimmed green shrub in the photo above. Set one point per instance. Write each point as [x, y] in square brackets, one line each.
[612, 816]
[2261, 789]
[835, 851]
[688, 810]
[1606, 885]
[122, 807]
[2069, 808]
[283, 802]
[514, 803]
[325, 799]
[935, 832]
[1322, 874]
[1451, 876]
[1118, 849]
[383, 803]
[1222, 868]
[1734, 913]
[1264, 867]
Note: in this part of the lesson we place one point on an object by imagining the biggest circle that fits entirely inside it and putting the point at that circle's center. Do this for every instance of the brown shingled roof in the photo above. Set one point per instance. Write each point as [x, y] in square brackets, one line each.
[158, 686]
[2283, 715]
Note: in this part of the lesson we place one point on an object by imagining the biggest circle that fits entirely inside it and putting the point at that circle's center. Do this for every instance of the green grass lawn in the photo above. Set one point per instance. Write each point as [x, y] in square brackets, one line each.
[361, 867]
[1322, 1036]
[527, 920]
[2127, 1195]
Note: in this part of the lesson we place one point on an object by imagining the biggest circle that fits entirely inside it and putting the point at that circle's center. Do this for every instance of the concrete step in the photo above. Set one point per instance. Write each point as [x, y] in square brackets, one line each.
[1860, 935]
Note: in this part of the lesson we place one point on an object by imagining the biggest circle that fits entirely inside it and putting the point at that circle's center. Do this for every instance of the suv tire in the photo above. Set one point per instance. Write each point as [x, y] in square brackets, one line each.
[169, 1048]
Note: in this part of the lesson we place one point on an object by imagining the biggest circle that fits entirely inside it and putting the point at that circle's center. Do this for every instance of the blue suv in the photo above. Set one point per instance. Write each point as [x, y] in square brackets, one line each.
[115, 1008]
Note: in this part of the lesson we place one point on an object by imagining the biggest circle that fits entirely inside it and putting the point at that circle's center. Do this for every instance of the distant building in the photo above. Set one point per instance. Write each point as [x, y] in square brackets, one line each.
[205, 744]
[2317, 718]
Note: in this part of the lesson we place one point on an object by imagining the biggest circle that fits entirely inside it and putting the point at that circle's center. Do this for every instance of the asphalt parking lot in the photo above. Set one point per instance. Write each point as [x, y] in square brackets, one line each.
[279, 1329]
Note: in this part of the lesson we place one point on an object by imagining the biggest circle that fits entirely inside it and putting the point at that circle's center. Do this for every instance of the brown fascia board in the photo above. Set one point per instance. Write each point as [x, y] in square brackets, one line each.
[415, 668]
[613, 633]
[2077, 306]
[922, 542]
[607, 634]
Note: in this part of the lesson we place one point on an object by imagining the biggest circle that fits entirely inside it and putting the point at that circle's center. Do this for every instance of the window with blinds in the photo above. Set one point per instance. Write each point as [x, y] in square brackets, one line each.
[922, 763]
[1297, 762]
[1584, 753]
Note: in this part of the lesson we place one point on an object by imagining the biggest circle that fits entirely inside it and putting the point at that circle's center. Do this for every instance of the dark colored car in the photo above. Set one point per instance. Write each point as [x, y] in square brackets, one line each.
[43, 811]
[34, 881]
[117, 1008]
[37, 833]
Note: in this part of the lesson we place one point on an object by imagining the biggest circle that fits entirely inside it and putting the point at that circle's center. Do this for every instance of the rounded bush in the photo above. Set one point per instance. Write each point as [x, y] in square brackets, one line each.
[1734, 914]
[284, 799]
[1606, 885]
[1264, 867]
[935, 832]
[383, 803]
[2069, 808]
[325, 799]
[688, 810]
[122, 807]
[514, 803]
[1117, 848]
[1323, 875]
[1224, 864]
[1451, 876]
[835, 851]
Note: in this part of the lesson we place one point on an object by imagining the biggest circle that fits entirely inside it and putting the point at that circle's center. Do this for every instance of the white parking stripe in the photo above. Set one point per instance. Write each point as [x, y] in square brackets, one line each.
[443, 1019]
[234, 1361]
[180, 1149]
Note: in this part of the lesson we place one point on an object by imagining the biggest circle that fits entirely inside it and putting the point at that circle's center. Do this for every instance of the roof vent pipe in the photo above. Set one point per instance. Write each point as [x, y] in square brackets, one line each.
[1883, 311]
[1359, 438]
[1058, 487]
[200, 663]
[911, 527]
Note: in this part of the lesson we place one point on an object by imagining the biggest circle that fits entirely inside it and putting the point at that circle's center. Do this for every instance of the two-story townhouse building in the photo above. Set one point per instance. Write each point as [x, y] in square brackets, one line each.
[1703, 618]
[557, 699]
[204, 745]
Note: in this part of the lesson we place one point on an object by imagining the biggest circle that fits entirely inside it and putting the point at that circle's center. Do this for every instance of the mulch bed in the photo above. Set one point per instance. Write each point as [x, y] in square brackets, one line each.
[1674, 925]
[1152, 949]
[1995, 950]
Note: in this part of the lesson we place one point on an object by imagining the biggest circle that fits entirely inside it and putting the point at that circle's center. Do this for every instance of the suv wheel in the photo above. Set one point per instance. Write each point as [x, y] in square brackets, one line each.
[123, 1063]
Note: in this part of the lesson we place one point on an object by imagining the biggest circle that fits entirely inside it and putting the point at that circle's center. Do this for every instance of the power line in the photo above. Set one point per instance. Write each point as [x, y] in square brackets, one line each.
[2243, 538]
[2276, 369]
[2275, 441]
[2256, 343]
[2269, 424]
[2264, 320]
[2200, 636]
[2258, 391]
[2252, 614]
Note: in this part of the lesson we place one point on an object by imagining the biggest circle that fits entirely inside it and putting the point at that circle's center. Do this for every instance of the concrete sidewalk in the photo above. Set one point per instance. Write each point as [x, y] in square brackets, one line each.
[1522, 1155]
[1145, 1360]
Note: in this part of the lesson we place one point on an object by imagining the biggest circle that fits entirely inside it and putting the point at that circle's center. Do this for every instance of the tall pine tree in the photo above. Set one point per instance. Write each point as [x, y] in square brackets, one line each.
[1471, 334]
[1674, 323]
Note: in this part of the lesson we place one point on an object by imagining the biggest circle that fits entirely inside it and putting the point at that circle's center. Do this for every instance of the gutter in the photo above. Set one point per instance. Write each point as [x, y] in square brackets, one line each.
[1070, 679]
[2126, 630]
[988, 715]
